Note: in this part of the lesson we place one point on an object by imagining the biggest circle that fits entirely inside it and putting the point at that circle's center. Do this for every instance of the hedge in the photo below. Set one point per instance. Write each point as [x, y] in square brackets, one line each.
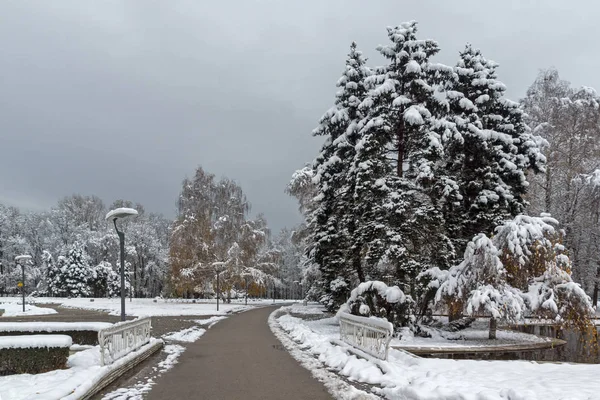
[32, 360]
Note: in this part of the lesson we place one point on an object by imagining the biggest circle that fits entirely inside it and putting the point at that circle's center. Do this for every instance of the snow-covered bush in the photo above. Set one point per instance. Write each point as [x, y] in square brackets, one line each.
[480, 284]
[523, 268]
[375, 298]
[336, 295]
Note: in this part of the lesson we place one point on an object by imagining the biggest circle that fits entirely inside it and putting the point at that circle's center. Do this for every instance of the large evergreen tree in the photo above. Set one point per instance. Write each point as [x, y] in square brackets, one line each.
[492, 153]
[332, 223]
[398, 159]
[75, 272]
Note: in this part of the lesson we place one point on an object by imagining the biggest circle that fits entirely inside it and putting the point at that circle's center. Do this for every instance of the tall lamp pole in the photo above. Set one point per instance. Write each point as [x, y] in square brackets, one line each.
[116, 214]
[219, 267]
[22, 260]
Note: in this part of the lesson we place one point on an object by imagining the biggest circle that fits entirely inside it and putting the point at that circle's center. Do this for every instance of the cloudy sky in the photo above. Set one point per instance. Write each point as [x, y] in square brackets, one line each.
[123, 99]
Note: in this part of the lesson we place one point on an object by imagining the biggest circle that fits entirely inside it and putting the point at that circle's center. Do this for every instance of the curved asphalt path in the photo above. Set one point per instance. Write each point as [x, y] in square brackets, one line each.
[238, 358]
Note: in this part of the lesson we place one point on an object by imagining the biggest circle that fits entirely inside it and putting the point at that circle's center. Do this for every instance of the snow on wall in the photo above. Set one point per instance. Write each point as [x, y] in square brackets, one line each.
[52, 326]
[30, 341]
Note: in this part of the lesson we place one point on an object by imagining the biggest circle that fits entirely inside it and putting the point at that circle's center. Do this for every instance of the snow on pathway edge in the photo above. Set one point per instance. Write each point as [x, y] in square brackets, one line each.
[336, 386]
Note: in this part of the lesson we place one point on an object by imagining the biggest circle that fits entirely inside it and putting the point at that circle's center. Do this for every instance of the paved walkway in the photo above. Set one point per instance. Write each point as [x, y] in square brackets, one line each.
[238, 358]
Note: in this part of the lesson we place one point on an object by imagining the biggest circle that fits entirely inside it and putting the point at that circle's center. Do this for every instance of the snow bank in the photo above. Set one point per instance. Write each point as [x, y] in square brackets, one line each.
[29, 341]
[186, 335]
[405, 376]
[12, 309]
[52, 326]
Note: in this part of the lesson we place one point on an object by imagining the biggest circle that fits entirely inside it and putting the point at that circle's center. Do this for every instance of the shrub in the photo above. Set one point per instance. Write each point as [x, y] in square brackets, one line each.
[375, 298]
[33, 354]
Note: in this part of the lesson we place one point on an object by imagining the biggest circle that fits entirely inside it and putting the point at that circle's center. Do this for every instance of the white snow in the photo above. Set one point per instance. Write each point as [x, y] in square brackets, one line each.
[13, 309]
[412, 67]
[186, 335]
[210, 321]
[52, 326]
[392, 294]
[413, 116]
[137, 391]
[173, 351]
[121, 212]
[336, 386]
[29, 341]
[405, 376]
[147, 308]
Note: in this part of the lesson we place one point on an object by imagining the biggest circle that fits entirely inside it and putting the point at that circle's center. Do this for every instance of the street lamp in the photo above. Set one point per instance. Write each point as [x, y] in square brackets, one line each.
[22, 260]
[116, 214]
[219, 267]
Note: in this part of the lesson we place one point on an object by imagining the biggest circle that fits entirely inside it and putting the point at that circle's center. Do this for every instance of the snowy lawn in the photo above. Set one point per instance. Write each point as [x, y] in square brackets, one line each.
[475, 336]
[408, 377]
[13, 309]
[83, 372]
[147, 307]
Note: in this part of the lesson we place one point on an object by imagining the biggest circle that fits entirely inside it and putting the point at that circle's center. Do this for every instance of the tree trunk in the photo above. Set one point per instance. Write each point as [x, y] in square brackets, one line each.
[596, 288]
[493, 328]
[455, 311]
[400, 136]
[548, 191]
[357, 265]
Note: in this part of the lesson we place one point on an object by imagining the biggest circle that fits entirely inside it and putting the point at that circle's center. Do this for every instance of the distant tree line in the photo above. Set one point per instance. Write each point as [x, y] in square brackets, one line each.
[75, 252]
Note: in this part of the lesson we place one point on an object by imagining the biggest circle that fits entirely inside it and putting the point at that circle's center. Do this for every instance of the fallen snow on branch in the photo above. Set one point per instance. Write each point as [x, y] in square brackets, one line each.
[189, 335]
[407, 377]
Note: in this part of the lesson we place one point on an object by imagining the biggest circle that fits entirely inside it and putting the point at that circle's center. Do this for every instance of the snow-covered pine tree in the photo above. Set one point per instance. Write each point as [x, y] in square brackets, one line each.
[523, 267]
[75, 272]
[398, 177]
[537, 263]
[332, 223]
[480, 284]
[104, 280]
[492, 154]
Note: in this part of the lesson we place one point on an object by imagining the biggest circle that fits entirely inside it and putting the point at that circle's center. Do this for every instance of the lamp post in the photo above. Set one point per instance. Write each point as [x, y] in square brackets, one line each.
[246, 285]
[114, 215]
[219, 267]
[22, 260]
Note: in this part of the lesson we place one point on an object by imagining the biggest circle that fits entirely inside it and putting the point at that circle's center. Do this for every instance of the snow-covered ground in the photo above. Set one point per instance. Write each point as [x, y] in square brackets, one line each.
[475, 336]
[84, 370]
[12, 308]
[84, 367]
[404, 376]
[147, 307]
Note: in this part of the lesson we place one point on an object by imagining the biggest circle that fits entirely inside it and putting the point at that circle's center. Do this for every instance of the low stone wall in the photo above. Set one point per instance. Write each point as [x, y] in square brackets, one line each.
[33, 354]
[116, 372]
[83, 333]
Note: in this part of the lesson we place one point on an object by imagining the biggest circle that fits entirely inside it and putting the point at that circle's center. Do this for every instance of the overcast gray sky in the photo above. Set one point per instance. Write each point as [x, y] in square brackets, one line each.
[123, 99]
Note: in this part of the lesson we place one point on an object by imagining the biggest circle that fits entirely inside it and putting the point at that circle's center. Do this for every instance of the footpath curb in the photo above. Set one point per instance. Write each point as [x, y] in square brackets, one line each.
[116, 373]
